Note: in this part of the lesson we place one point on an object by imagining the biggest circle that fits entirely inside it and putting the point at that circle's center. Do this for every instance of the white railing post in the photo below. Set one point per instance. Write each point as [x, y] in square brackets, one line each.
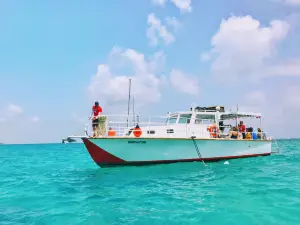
[186, 127]
[148, 132]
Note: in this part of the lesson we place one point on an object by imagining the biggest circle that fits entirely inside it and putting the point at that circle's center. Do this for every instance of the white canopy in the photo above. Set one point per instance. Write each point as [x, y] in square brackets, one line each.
[234, 115]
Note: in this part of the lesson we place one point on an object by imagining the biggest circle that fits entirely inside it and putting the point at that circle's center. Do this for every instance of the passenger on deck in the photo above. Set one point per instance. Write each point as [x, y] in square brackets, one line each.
[234, 133]
[260, 134]
[248, 134]
[221, 126]
[242, 129]
[96, 112]
[254, 134]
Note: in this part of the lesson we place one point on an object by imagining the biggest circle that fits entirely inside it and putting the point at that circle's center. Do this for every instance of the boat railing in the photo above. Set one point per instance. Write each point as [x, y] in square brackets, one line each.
[121, 124]
[122, 127]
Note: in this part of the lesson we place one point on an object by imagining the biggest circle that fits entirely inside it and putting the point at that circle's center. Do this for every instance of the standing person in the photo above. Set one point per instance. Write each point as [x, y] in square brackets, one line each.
[242, 129]
[96, 112]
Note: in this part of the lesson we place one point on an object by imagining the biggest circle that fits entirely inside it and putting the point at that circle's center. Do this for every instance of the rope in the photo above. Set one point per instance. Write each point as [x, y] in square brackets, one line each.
[277, 148]
[197, 150]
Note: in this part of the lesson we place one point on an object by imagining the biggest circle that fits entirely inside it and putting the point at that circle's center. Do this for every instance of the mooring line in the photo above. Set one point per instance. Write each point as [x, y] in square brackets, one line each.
[277, 147]
[197, 150]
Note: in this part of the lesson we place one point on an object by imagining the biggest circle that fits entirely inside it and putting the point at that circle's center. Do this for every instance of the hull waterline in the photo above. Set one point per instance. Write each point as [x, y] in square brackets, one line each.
[112, 152]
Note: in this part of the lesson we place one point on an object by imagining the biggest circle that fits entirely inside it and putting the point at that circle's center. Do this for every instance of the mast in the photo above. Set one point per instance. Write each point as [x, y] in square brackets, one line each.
[133, 115]
[129, 100]
[236, 119]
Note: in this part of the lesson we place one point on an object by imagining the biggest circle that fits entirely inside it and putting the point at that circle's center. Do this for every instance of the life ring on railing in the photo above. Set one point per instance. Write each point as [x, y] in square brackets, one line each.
[137, 131]
[213, 130]
[111, 132]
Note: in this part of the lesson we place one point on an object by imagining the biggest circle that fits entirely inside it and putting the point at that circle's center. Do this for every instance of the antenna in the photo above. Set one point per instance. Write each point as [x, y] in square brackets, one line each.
[133, 115]
[236, 119]
[128, 100]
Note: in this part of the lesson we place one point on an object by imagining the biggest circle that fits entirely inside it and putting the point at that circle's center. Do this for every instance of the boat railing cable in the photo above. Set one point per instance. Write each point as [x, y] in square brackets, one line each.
[197, 150]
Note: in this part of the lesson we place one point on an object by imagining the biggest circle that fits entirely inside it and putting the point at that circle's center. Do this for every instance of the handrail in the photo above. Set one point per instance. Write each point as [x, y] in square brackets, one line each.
[181, 130]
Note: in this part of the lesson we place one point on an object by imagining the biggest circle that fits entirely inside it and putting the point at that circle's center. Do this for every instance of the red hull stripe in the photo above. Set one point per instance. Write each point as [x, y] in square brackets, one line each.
[99, 155]
[143, 163]
[105, 159]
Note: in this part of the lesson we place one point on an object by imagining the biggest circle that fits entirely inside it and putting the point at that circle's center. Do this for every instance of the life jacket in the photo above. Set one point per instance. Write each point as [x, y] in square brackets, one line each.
[248, 136]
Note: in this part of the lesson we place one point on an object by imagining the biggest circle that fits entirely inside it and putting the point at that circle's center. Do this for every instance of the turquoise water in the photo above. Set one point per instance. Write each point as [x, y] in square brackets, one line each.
[60, 184]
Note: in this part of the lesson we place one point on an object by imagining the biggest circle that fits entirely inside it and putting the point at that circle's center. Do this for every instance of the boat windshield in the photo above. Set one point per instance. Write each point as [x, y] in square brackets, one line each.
[172, 119]
[185, 118]
[204, 119]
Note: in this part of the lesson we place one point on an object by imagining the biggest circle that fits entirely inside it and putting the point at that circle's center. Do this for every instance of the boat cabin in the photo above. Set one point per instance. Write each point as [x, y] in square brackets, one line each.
[196, 122]
[197, 115]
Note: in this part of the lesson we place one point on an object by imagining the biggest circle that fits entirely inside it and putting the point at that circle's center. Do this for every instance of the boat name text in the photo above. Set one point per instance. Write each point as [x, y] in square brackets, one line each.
[136, 142]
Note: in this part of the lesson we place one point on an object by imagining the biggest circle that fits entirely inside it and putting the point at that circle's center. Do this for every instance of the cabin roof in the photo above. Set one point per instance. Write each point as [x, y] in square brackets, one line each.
[232, 115]
[223, 115]
[209, 108]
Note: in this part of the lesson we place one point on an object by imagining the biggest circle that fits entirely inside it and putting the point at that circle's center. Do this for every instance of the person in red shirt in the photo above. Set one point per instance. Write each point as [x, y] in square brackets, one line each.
[96, 112]
[242, 129]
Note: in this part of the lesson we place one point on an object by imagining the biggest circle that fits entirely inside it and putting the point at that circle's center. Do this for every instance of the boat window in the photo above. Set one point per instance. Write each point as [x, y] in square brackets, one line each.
[172, 120]
[204, 119]
[151, 132]
[170, 131]
[185, 118]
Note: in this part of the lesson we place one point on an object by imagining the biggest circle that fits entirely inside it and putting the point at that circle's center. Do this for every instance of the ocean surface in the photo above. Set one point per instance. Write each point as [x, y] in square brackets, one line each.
[60, 184]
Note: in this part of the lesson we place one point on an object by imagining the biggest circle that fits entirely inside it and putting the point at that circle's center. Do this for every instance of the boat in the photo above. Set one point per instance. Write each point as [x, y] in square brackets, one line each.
[197, 134]
[68, 140]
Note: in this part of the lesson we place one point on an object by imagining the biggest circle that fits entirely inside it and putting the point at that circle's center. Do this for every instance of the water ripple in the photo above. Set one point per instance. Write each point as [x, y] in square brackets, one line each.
[59, 184]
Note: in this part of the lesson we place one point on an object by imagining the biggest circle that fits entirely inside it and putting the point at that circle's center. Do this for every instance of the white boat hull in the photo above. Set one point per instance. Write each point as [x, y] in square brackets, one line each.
[118, 151]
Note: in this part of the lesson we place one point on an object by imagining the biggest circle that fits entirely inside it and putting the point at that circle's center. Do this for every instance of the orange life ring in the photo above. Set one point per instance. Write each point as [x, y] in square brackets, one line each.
[137, 131]
[213, 130]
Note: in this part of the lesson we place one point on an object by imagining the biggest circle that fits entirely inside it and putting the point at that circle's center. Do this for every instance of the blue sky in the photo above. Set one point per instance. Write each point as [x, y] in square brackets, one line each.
[50, 52]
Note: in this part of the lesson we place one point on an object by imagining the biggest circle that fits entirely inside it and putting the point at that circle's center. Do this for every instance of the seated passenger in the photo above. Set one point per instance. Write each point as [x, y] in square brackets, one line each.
[254, 134]
[260, 134]
[221, 126]
[234, 133]
[248, 134]
[242, 129]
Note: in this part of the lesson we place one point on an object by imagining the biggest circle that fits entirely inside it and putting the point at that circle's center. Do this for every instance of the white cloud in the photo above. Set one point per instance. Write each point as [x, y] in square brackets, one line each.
[291, 97]
[35, 119]
[183, 5]
[14, 109]
[111, 88]
[157, 31]
[184, 82]
[159, 2]
[279, 106]
[173, 22]
[242, 46]
[80, 119]
[204, 57]
[255, 98]
[291, 2]
[286, 68]
[10, 112]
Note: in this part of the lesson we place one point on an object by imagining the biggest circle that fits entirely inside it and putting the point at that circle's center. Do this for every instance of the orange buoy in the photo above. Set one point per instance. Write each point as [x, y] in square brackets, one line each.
[111, 132]
[137, 131]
